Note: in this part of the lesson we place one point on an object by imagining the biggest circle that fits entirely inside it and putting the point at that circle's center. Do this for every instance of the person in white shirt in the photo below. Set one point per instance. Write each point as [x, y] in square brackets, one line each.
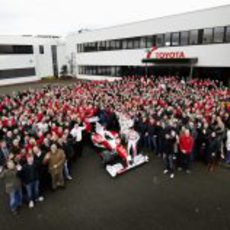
[77, 134]
[42, 127]
[133, 138]
[125, 124]
[228, 147]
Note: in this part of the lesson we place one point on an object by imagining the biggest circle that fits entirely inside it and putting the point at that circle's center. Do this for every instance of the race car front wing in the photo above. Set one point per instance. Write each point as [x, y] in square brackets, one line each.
[118, 169]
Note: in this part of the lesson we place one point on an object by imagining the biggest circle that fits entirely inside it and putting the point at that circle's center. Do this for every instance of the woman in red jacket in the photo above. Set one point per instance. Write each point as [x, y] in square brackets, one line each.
[186, 142]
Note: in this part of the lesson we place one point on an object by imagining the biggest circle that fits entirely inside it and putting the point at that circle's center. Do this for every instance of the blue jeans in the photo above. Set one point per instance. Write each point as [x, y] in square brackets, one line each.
[66, 169]
[15, 199]
[228, 157]
[32, 190]
[144, 141]
[169, 163]
[152, 143]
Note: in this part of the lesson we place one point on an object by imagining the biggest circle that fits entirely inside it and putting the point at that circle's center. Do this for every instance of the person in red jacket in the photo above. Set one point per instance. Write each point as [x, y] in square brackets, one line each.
[186, 142]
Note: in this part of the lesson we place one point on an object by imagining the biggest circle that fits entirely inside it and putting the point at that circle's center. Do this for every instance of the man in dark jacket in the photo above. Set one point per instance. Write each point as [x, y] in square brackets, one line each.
[30, 178]
[152, 135]
[142, 128]
[213, 150]
[44, 176]
[169, 152]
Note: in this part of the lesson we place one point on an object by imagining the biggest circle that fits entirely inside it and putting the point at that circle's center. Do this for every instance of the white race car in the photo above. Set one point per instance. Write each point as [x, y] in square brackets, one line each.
[114, 155]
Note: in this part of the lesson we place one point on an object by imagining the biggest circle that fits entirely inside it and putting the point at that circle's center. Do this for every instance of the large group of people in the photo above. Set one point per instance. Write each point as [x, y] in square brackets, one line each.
[43, 131]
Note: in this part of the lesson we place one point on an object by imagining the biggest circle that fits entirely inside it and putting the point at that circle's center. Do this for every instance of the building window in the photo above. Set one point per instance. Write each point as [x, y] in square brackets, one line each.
[113, 71]
[78, 48]
[143, 42]
[218, 34]
[149, 42]
[16, 49]
[184, 36]
[118, 44]
[86, 47]
[160, 40]
[107, 45]
[227, 36]
[136, 43]
[130, 44]
[113, 45]
[103, 46]
[83, 47]
[168, 39]
[193, 37]
[207, 36]
[176, 39]
[41, 49]
[124, 44]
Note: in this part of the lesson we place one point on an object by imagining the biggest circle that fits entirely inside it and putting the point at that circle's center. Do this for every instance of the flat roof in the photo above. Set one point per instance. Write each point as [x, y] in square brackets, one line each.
[88, 30]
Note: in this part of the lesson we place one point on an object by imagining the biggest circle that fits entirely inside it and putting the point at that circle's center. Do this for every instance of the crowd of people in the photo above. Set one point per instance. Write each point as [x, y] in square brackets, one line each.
[43, 131]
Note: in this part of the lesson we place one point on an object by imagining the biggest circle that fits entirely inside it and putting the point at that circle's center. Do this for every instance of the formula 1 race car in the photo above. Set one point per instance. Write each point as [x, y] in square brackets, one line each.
[113, 154]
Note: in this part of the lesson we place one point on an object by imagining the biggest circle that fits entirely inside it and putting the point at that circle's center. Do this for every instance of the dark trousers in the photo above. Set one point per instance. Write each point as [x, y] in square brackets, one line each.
[44, 180]
[79, 148]
[32, 190]
[160, 146]
[186, 161]
[152, 143]
[169, 162]
[228, 157]
[143, 142]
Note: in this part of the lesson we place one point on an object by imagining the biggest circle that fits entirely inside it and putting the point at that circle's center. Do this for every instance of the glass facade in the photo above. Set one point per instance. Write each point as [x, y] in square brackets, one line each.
[178, 38]
[184, 38]
[16, 73]
[168, 39]
[193, 37]
[100, 70]
[218, 34]
[16, 49]
[160, 40]
[227, 36]
[208, 36]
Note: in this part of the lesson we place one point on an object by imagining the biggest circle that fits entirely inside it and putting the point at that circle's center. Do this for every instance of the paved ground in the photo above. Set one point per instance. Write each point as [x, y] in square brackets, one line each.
[142, 199]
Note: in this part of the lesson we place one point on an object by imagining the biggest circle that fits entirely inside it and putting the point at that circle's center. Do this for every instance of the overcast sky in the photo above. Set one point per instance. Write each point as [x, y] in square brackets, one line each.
[63, 16]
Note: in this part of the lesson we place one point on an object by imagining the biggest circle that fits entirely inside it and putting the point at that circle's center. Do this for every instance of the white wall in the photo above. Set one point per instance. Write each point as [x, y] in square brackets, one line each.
[62, 57]
[18, 80]
[208, 55]
[195, 20]
[16, 61]
[42, 63]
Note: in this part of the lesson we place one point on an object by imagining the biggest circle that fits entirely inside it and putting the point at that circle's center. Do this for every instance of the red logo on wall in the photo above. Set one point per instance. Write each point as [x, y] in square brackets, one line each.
[165, 55]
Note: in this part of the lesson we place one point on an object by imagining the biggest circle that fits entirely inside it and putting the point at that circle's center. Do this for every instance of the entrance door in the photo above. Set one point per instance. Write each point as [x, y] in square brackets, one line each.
[54, 60]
